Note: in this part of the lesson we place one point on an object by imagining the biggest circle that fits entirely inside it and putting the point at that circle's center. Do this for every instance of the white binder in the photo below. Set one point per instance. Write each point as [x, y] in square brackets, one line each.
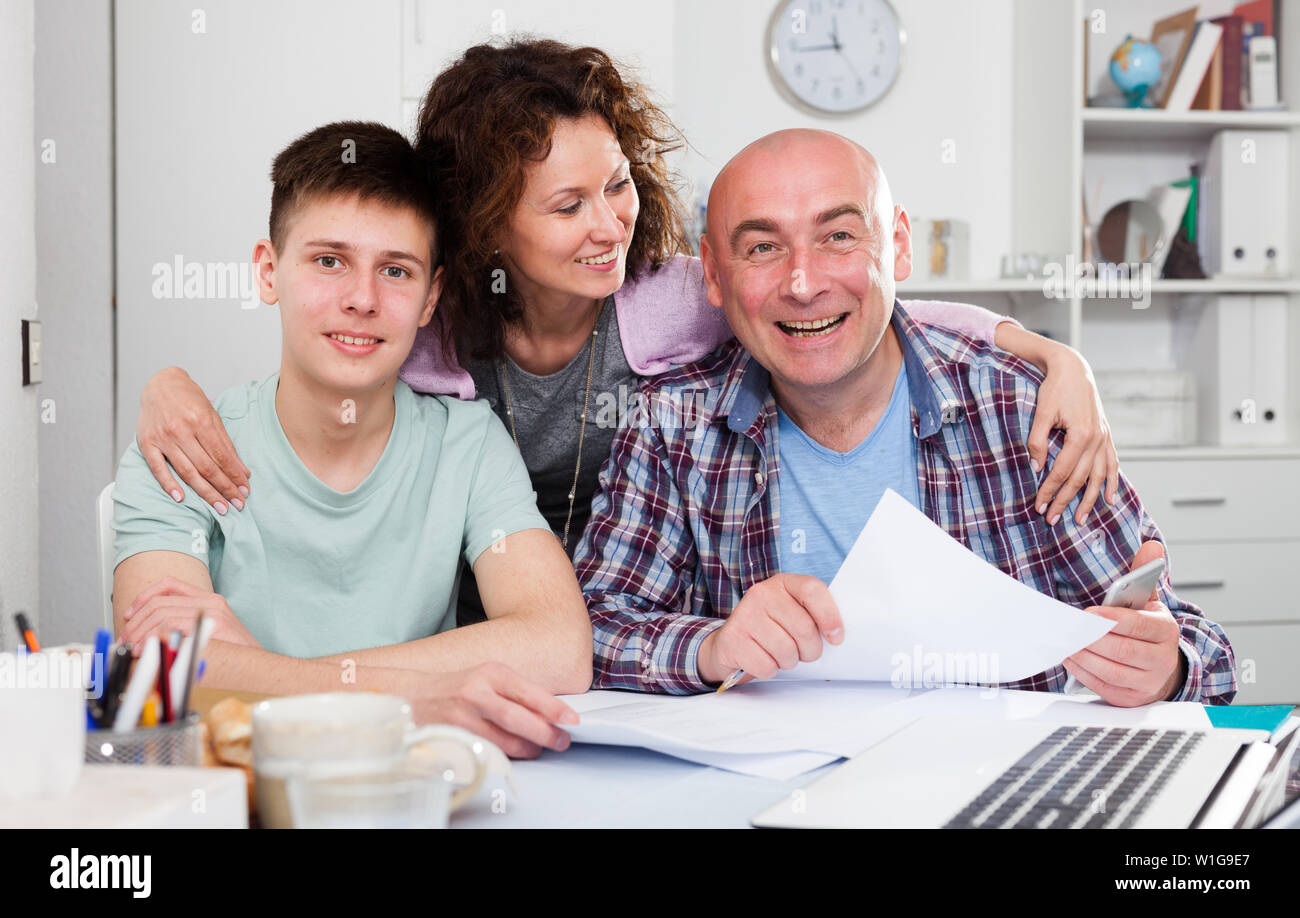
[1243, 222]
[1239, 356]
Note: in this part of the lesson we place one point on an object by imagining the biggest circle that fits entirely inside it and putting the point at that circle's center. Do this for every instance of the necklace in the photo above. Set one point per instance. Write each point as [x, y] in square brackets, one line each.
[582, 429]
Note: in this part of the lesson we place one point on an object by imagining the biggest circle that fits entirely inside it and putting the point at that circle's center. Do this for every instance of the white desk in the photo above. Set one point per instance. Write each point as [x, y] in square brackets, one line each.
[591, 786]
[139, 797]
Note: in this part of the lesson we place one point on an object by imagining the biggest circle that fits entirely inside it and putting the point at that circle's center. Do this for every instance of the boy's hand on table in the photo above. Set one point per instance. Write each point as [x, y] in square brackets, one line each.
[496, 703]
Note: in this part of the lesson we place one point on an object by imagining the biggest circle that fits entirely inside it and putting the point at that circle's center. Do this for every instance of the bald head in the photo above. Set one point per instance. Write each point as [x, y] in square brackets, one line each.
[803, 251]
[783, 152]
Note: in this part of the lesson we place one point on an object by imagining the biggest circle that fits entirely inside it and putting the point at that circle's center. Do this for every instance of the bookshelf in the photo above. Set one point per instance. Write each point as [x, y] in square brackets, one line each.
[1230, 513]
[1125, 123]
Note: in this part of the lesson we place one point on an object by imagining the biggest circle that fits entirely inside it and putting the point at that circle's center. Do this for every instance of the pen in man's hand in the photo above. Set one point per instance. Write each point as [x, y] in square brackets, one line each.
[731, 680]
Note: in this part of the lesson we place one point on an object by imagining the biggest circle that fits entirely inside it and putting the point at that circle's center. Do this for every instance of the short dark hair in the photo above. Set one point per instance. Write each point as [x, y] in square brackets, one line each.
[364, 158]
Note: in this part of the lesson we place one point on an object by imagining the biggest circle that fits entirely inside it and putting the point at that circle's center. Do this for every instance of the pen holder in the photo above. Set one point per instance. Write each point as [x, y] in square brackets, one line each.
[166, 744]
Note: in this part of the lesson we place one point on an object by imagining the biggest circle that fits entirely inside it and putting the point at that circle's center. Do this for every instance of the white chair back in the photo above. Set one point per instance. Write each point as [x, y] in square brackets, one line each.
[104, 517]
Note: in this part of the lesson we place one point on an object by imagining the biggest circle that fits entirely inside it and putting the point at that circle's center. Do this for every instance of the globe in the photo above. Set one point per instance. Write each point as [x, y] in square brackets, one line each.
[1135, 68]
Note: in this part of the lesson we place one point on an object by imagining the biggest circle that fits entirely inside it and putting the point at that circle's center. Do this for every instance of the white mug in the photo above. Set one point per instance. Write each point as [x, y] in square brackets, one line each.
[343, 734]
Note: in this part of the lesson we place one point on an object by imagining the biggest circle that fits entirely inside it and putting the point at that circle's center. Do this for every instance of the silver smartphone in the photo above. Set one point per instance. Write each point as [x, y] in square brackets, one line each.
[1130, 592]
[1134, 589]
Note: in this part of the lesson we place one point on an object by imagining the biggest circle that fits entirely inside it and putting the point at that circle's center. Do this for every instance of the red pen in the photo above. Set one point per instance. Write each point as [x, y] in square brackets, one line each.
[164, 682]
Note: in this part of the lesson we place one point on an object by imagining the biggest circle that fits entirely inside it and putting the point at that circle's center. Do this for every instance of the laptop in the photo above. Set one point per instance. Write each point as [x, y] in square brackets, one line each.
[940, 772]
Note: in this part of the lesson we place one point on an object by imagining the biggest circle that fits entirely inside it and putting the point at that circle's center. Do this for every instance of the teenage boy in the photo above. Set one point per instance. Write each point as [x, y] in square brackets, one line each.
[343, 574]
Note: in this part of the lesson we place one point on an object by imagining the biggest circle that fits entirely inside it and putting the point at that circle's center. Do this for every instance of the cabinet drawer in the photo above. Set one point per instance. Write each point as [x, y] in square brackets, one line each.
[1238, 581]
[1268, 663]
[1211, 500]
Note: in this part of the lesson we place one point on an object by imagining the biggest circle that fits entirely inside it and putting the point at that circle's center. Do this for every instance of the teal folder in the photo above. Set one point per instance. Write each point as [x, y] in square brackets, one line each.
[1249, 717]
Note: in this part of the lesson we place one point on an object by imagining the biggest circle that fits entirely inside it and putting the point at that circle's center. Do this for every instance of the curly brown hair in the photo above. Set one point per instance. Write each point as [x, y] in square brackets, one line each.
[484, 120]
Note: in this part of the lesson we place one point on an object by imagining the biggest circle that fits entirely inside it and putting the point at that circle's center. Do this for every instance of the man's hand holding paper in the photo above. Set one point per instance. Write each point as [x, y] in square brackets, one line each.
[778, 624]
[923, 610]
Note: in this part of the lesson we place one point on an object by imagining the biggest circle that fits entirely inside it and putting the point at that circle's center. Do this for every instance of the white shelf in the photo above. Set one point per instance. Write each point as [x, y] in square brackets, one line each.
[1121, 123]
[1128, 289]
[1226, 285]
[991, 285]
[1123, 288]
[1150, 453]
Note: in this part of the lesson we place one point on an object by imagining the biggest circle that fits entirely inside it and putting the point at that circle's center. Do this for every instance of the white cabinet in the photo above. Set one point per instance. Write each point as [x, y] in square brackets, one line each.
[1232, 526]
[1267, 672]
[1216, 500]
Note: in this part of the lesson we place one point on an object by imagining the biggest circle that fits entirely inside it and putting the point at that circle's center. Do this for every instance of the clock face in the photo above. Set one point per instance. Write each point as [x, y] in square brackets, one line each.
[834, 56]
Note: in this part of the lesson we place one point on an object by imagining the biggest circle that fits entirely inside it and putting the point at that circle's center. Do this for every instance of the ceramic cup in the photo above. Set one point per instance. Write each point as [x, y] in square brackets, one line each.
[341, 745]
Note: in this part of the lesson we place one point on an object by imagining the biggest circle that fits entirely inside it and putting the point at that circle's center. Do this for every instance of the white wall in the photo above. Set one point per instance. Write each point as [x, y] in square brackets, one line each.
[74, 284]
[18, 405]
[954, 84]
[705, 60]
[199, 117]
[638, 36]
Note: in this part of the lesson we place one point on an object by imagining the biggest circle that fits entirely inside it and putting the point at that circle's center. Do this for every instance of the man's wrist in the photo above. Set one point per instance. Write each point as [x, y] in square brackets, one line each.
[705, 664]
[1178, 679]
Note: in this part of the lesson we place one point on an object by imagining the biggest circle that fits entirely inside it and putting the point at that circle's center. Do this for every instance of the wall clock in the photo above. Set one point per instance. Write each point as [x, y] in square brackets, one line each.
[834, 57]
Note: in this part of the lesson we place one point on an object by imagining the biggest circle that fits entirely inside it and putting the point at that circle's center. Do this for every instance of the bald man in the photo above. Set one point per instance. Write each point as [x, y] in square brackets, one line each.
[711, 544]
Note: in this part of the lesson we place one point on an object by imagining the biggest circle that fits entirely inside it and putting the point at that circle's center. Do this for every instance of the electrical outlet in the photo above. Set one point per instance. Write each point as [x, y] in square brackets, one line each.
[31, 352]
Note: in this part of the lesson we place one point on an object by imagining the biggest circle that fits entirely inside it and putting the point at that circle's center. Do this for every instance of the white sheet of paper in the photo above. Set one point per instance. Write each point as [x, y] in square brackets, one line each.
[838, 719]
[919, 608]
[1085, 709]
[779, 766]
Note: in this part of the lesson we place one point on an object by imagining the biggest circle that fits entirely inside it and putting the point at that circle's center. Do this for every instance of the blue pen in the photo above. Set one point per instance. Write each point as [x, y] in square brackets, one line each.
[99, 661]
[98, 664]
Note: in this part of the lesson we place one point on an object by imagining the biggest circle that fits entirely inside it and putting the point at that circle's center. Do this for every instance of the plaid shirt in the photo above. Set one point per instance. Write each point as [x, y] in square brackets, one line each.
[686, 517]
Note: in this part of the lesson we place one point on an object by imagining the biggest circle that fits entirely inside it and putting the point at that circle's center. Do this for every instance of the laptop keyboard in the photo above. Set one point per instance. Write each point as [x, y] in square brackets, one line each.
[1081, 778]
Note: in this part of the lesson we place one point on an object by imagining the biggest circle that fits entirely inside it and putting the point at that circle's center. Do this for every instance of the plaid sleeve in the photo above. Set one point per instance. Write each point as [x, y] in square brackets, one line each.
[1089, 557]
[636, 564]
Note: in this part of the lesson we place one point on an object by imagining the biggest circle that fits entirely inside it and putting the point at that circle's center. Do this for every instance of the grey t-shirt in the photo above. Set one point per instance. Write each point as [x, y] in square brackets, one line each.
[547, 419]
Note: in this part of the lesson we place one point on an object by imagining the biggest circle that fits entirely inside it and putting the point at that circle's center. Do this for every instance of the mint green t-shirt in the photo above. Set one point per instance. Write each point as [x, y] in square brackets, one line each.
[311, 571]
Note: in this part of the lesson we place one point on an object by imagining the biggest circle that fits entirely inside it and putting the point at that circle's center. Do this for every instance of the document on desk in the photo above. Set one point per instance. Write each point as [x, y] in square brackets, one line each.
[769, 729]
[920, 608]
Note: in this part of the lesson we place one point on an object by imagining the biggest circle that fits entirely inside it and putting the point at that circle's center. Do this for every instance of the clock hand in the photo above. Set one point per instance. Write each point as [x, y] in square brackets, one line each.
[849, 63]
[835, 38]
[818, 48]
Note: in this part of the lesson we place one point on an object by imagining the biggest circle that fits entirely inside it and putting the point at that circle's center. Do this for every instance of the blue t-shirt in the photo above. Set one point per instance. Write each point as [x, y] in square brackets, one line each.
[825, 497]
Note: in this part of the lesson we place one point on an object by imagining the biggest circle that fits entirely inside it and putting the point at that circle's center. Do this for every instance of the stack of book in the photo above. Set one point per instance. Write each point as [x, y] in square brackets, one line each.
[1229, 62]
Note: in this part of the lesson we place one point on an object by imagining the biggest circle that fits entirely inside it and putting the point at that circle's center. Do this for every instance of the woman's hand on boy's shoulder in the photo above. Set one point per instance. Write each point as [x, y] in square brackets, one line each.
[178, 425]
